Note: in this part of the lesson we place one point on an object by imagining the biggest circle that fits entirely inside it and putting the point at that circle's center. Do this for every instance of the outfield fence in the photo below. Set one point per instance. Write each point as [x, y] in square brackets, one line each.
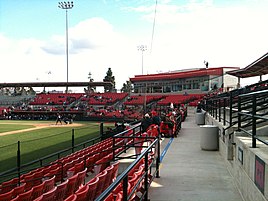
[30, 154]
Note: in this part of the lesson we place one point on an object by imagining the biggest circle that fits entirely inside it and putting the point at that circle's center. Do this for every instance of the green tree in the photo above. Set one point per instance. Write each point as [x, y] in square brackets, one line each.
[109, 78]
[127, 87]
[31, 91]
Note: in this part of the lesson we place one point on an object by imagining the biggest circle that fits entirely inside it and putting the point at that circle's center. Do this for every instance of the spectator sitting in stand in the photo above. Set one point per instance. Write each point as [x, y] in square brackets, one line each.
[146, 122]
[155, 118]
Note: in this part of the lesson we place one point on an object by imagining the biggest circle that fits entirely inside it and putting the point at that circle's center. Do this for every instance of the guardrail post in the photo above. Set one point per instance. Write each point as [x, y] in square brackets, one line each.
[146, 178]
[72, 140]
[224, 111]
[61, 172]
[254, 122]
[158, 158]
[114, 147]
[216, 108]
[231, 108]
[212, 108]
[101, 131]
[18, 160]
[239, 112]
[125, 185]
[219, 110]
[209, 106]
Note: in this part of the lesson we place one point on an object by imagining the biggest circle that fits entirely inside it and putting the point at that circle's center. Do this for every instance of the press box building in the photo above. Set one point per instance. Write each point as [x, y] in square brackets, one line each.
[199, 80]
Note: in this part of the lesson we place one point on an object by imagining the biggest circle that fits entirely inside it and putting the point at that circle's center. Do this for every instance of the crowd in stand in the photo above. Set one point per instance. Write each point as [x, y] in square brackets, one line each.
[168, 121]
[81, 102]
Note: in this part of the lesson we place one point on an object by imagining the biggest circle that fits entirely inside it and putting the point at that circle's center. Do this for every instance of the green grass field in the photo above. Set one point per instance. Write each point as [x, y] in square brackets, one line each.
[11, 127]
[38, 143]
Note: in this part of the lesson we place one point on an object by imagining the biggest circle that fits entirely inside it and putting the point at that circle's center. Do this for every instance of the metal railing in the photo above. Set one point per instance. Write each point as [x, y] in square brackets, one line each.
[245, 108]
[22, 168]
[151, 152]
[254, 113]
[123, 177]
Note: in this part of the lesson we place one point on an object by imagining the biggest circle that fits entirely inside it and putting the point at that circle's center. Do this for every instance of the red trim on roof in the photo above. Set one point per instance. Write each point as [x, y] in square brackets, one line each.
[181, 74]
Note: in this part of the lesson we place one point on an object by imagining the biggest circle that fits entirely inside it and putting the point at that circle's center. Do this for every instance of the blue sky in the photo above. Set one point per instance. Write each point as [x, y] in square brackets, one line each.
[106, 33]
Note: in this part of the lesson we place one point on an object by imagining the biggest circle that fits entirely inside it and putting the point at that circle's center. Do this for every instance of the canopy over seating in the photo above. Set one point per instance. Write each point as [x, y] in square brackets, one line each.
[256, 68]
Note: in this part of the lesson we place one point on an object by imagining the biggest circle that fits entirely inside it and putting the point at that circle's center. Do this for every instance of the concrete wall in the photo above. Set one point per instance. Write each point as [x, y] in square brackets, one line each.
[241, 160]
[229, 80]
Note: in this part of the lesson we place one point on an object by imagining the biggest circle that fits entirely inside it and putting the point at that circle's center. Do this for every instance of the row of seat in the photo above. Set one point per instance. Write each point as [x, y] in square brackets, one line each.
[57, 98]
[135, 185]
[104, 98]
[111, 98]
[36, 178]
[133, 114]
[178, 98]
[94, 187]
[139, 100]
[21, 193]
[48, 190]
[60, 166]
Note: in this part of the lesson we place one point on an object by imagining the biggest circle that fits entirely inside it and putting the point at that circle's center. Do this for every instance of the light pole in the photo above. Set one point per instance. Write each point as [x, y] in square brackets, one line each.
[66, 5]
[142, 48]
[48, 77]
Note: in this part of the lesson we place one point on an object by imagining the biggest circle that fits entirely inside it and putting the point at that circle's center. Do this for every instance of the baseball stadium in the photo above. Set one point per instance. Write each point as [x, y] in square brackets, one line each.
[192, 134]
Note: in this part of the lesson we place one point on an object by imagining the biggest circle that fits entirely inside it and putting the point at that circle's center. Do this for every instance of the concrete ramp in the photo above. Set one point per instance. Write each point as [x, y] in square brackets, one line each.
[188, 173]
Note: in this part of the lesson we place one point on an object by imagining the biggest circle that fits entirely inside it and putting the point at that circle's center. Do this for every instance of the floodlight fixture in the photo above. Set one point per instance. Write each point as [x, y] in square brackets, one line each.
[142, 48]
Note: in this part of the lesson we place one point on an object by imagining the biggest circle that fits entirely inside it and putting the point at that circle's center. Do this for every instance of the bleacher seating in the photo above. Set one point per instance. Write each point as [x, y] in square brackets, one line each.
[104, 98]
[179, 98]
[55, 98]
[65, 178]
[140, 99]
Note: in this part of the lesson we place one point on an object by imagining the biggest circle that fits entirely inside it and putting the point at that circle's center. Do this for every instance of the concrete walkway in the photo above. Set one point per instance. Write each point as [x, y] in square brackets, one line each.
[188, 173]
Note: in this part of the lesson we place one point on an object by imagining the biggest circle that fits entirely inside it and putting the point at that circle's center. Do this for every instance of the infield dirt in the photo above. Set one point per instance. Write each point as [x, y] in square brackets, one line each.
[38, 126]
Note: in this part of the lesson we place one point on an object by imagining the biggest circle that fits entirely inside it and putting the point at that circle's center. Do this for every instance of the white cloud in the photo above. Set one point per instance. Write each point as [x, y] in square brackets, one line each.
[93, 47]
[184, 37]
[224, 34]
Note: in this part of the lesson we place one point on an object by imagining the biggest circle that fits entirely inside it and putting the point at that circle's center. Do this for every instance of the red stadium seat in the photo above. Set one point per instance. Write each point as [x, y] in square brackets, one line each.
[38, 190]
[50, 195]
[9, 185]
[82, 195]
[80, 179]
[7, 195]
[61, 191]
[26, 196]
[49, 184]
[102, 176]
[92, 188]
[19, 189]
[72, 197]
[71, 185]
[115, 170]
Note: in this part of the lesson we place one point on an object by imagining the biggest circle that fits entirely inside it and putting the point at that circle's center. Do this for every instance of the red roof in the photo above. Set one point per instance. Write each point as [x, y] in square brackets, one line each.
[181, 74]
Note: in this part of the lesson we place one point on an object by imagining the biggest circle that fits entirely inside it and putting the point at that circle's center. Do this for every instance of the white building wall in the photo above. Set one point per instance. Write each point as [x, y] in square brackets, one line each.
[230, 82]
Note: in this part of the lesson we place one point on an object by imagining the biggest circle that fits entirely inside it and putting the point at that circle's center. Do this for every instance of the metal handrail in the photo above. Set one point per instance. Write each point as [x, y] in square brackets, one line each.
[245, 106]
[124, 175]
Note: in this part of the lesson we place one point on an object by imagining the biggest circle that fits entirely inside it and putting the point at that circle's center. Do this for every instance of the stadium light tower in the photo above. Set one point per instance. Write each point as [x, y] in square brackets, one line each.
[142, 48]
[66, 6]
